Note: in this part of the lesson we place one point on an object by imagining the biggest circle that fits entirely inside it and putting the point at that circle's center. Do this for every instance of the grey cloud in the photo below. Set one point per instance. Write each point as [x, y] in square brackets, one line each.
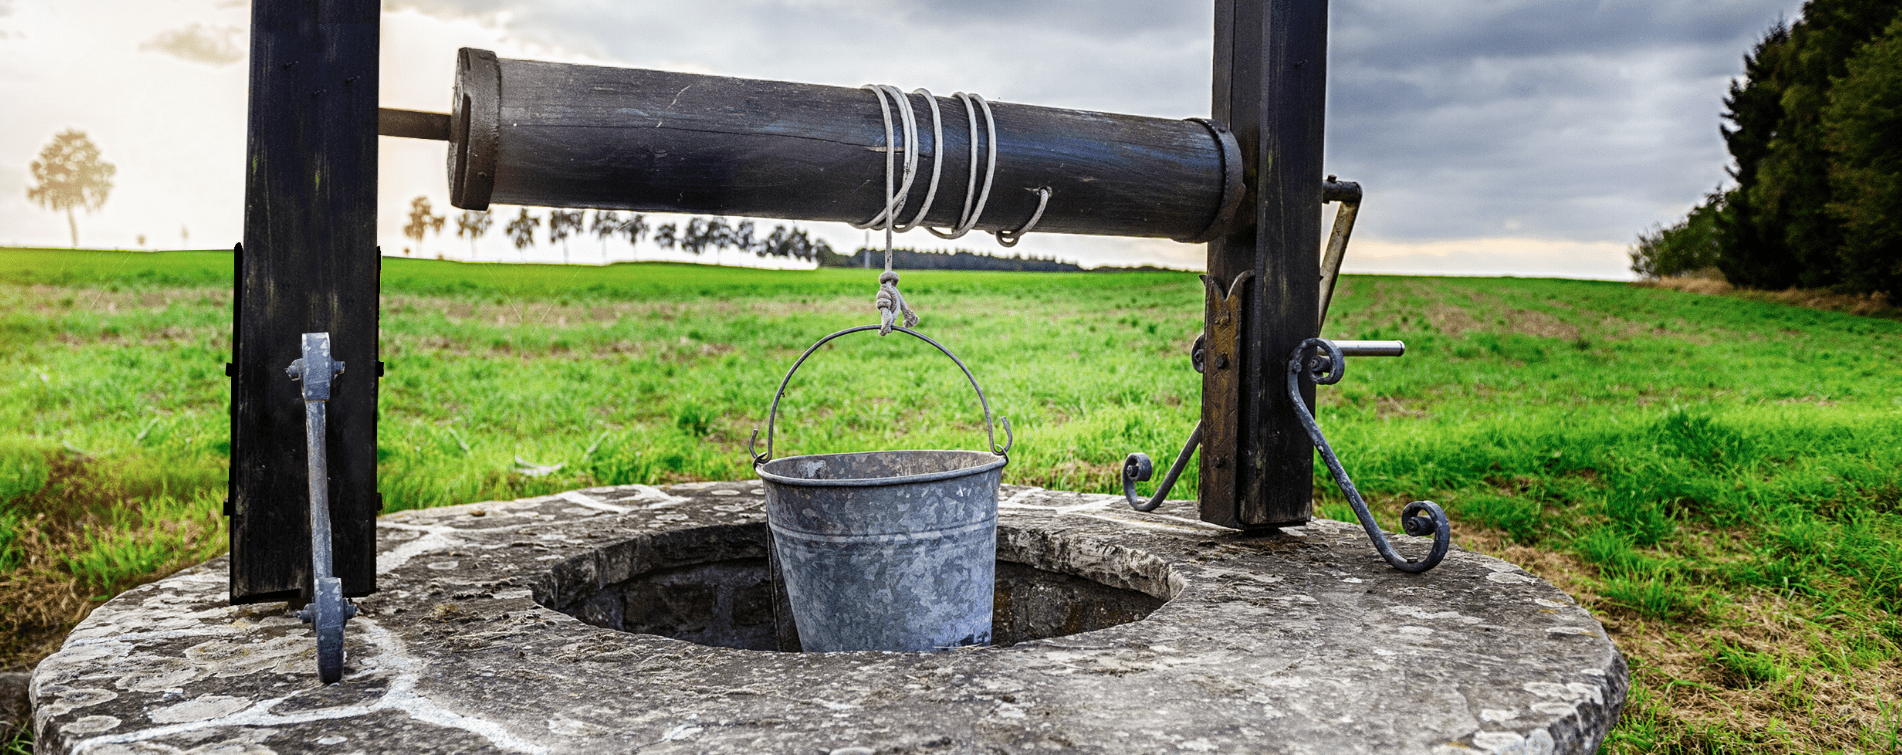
[1408, 32]
[1585, 120]
[1580, 119]
[216, 45]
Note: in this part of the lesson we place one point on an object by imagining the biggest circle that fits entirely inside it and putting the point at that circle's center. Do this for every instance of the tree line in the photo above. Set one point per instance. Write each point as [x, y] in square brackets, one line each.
[698, 235]
[956, 259]
[1815, 133]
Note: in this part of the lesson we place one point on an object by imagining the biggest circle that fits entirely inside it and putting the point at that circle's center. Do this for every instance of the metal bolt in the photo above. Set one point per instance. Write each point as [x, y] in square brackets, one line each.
[1221, 361]
[1221, 462]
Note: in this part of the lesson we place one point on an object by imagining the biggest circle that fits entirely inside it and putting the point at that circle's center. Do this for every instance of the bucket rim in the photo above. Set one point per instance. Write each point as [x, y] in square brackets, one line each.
[865, 482]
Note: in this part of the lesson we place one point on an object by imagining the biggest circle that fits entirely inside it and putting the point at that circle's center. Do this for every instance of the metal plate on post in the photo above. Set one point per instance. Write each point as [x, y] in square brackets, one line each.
[1221, 388]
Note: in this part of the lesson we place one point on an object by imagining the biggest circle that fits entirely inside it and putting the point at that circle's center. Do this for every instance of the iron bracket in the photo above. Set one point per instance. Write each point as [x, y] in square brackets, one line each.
[1137, 467]
[326, 611]
[1324, 362]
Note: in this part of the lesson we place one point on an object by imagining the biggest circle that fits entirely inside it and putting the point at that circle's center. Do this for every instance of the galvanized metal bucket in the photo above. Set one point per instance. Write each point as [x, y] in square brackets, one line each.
[886, 550]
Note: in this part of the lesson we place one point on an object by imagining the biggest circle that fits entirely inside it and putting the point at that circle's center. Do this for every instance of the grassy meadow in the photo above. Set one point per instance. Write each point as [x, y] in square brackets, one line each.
[1719, 479]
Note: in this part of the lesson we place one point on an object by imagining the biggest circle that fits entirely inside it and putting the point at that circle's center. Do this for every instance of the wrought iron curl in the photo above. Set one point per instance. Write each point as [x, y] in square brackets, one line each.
[1417, 518]
[1138, 468]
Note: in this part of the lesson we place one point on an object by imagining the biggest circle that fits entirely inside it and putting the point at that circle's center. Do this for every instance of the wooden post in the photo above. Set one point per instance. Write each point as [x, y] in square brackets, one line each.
[1271, 89]
[309, 263]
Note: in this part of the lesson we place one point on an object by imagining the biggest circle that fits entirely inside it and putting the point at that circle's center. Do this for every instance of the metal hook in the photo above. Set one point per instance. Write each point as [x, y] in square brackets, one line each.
[1327, 370]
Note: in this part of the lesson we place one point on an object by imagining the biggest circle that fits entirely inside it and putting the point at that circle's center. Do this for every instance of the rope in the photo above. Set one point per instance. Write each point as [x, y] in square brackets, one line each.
[890, 302]
[968, 218]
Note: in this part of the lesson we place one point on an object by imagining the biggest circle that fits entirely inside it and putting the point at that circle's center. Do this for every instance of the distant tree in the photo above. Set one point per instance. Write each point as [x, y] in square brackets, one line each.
[521, 230]
[606, 223]
[635, 228]
[1783, 231]
[1690, 246]
[70, 174]
[695, 238]
[421, 221]
[184, 236]
[775, 244]
[141, 240]
[666, 236]
[720, 236]
[741, 237]
[1864, 127]
[472, 224]
[561, 225]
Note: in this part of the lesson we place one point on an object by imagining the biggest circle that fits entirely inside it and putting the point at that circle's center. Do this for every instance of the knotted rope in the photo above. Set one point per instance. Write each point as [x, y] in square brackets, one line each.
[890, 302]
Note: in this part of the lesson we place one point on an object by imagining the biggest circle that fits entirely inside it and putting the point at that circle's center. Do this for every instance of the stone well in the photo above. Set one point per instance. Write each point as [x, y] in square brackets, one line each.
[634, 619]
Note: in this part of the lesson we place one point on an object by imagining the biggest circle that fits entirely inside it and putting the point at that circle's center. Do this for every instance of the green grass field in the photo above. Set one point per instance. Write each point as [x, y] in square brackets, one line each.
[1718, 479]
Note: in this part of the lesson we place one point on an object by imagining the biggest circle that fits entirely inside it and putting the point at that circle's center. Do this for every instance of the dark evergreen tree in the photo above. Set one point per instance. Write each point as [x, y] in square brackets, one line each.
[1796, 172]
[1754, 254]
[1863, 124]
[1779, 228]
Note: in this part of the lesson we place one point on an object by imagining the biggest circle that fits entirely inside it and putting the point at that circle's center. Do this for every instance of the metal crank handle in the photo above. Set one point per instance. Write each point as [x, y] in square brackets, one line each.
[1327, 369]
[1138, 468]
[327, 610]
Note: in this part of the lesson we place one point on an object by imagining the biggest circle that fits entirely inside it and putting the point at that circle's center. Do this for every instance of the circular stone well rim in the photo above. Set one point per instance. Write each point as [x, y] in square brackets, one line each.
[1294, 641]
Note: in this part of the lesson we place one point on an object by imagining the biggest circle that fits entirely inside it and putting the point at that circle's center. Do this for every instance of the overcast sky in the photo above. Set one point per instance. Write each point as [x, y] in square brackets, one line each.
[1527, 137]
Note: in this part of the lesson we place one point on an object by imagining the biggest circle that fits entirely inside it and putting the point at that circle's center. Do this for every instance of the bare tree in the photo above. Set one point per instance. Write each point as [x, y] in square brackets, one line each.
[521, 230]
[69, 174]
[606, 223]
[422, 221]
[472, 224]
[561, 225]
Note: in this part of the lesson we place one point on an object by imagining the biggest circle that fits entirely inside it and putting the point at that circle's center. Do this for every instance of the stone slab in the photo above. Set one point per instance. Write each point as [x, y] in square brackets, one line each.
[1297, 641]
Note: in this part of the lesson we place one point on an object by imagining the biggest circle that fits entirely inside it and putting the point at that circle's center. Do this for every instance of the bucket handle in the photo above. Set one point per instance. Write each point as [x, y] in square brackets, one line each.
[990, 429]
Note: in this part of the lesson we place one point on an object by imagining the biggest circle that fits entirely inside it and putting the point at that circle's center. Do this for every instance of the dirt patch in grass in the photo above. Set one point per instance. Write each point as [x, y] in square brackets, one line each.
[1866, 305]
[1540, 324]
[1753, 674]
[81, 504]
[1744, 674]
[1450, 319]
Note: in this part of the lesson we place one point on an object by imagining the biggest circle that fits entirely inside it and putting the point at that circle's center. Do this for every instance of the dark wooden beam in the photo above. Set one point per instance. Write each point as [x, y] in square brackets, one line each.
[560, 135]
[1270, 87]
[309, 263]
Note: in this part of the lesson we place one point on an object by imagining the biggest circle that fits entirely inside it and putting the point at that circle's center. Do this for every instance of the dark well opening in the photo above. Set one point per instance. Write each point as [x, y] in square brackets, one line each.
[711, 586]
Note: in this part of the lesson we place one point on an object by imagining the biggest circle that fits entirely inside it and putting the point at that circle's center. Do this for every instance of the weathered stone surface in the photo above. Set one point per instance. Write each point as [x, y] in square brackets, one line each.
[1301, 641]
